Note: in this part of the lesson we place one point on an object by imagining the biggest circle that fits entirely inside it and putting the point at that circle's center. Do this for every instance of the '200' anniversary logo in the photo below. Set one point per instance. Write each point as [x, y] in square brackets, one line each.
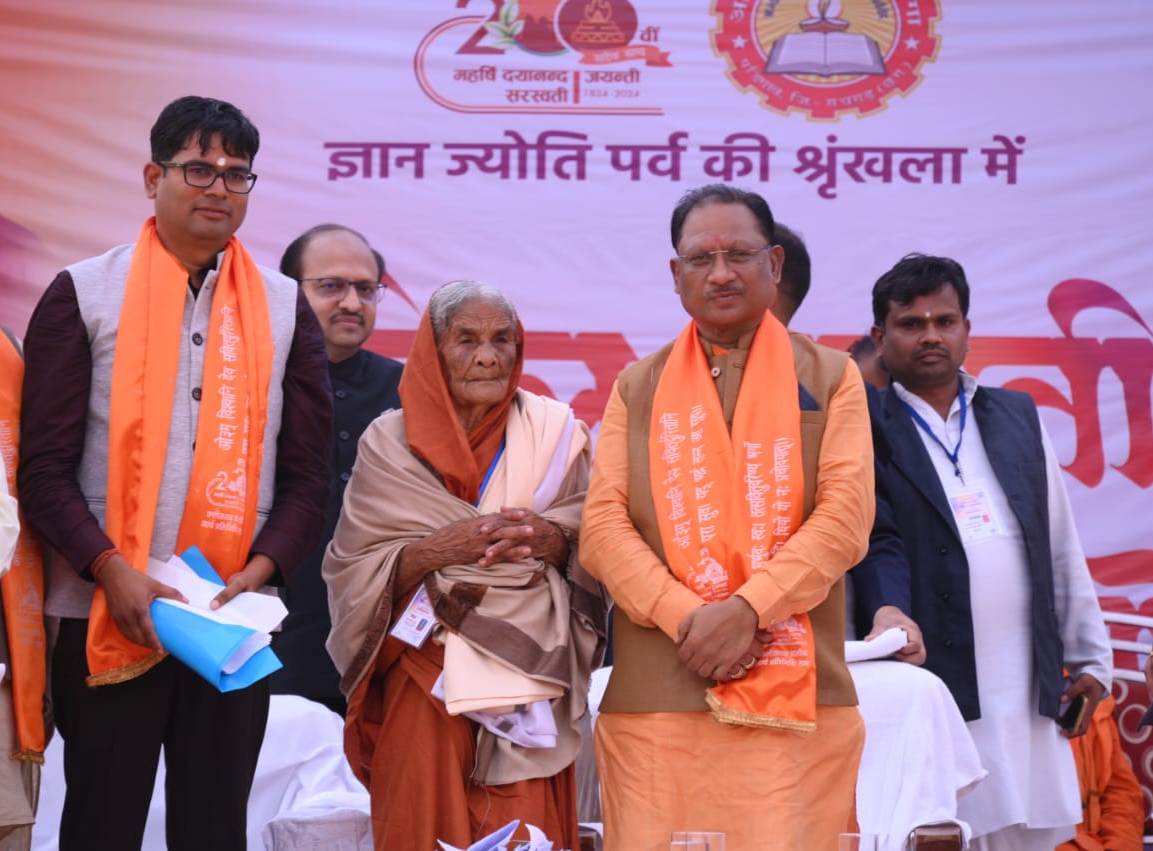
[544, 57]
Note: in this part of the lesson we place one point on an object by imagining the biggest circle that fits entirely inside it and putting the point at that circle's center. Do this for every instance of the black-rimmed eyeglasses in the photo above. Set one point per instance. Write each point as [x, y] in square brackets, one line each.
[202, 175]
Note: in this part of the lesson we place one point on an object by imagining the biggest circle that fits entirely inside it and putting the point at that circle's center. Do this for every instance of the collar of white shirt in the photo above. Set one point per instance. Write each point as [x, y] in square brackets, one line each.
[969, 387]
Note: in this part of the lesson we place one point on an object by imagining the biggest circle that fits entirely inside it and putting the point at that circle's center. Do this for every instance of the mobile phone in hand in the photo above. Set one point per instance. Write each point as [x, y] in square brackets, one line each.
[1074, 713]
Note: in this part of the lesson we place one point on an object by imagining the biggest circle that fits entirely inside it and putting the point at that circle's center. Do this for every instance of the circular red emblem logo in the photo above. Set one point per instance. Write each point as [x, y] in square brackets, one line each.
[597, 24]
[825, 57]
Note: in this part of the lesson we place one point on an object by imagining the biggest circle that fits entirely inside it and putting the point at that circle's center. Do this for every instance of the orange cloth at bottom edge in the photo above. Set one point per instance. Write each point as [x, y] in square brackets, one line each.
[1113, 806]
[764, 789]
[416, 759]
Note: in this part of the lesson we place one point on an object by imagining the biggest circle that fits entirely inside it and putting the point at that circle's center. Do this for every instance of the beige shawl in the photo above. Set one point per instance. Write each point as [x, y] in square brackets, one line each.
[528, 616]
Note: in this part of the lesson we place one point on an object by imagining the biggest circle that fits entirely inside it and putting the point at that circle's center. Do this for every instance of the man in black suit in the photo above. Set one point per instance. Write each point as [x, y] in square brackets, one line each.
[341, 275]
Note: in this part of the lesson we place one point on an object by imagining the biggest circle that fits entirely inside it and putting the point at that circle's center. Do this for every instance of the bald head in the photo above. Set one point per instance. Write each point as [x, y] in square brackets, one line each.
[339, 273]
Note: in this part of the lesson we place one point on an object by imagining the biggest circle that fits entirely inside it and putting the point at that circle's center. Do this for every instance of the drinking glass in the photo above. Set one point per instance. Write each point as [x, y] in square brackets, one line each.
[857, 842]
[695, 840]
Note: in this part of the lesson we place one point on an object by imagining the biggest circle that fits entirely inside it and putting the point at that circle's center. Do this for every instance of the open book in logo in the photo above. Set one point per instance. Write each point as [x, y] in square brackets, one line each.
[825, 57]
[824, 46]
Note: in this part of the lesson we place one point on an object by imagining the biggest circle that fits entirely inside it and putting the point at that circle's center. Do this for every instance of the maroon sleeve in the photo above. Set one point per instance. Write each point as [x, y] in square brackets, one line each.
[53, 422]
[303, 449]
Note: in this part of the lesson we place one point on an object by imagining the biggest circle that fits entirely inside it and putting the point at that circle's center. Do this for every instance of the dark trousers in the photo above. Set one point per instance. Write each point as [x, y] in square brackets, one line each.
[112, 740]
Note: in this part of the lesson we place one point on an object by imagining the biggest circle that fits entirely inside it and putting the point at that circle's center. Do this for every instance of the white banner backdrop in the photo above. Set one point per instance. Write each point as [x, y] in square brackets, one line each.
[541, 145]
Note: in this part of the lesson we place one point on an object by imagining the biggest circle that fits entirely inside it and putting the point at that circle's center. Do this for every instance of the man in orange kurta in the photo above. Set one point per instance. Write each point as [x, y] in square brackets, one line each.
[1110, 795]
[678, 747]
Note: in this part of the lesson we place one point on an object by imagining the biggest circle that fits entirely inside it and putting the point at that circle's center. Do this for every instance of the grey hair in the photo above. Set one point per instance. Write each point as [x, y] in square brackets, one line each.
[447, 300]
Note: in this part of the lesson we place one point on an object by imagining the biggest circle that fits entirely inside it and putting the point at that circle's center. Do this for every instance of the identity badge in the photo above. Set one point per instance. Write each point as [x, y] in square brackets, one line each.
[416, 623]
[973, 511]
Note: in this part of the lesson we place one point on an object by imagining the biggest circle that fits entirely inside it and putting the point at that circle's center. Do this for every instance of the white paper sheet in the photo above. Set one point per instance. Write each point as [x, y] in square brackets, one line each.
[261, 612]
[228, 646]
[881, 647]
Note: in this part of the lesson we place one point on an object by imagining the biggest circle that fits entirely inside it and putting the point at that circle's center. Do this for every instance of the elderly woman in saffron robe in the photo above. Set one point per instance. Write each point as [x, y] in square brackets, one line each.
[466, 503]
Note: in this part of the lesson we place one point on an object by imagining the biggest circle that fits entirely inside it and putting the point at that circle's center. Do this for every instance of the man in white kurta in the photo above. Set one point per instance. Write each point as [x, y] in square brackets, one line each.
[1029, 613]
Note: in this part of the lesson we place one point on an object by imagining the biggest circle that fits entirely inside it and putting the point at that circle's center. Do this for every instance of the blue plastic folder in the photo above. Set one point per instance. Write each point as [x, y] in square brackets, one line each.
[205, 645]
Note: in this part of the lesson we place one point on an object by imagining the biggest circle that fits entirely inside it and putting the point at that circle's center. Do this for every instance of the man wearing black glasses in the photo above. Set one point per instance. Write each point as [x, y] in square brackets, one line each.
[341, 275]
[175, 395]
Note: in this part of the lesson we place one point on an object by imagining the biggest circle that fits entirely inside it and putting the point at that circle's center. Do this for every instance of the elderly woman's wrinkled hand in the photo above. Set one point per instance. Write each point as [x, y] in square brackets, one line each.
[524, 534]
[515, 534]
[460, 542]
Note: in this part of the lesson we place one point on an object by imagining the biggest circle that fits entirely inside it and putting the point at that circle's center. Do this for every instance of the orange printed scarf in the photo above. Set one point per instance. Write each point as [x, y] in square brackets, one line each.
[22, 588]
[220, 507]
[727, 503]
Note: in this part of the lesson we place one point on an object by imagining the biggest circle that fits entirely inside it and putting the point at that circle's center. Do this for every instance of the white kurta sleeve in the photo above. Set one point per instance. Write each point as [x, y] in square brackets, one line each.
[1083, 631]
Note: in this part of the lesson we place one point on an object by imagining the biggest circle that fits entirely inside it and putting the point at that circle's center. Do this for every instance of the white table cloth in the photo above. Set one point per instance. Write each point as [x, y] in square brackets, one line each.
[919, 757]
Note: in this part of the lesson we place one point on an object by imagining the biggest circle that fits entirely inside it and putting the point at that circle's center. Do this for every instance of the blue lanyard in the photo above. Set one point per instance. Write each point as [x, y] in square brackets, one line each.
[955, 455]
[491, 470]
